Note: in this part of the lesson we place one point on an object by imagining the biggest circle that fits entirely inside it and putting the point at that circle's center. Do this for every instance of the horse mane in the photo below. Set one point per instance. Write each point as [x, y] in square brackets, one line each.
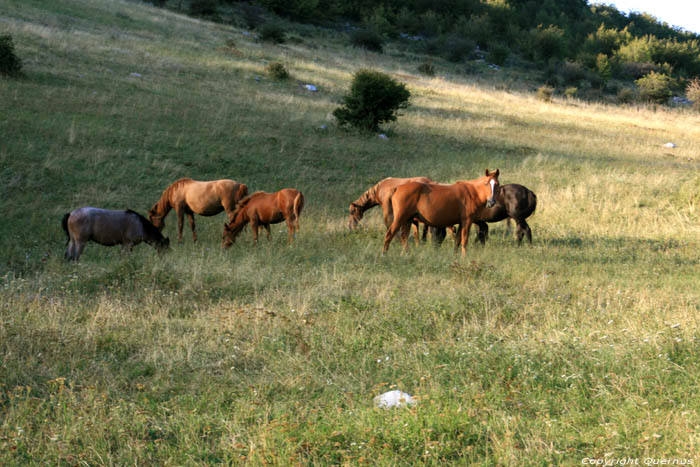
[165, 197]
[368, 199]
[242, 203]
[146, 224]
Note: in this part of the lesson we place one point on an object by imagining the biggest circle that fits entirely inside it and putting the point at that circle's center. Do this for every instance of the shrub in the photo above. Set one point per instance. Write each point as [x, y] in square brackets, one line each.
[453, 47]
[545, 93]
[374, 98]
[547, 43]
[498, 54]
[272, 32]
[10, 64]
[604, 67]
[367, 39]
[692, 92]
[626, 95]
[276, 70]
[655, 87]
[427, 68]
[571, 92]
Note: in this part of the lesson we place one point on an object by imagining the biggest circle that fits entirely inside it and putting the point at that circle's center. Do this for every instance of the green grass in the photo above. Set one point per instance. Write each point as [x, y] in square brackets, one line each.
[583, 345]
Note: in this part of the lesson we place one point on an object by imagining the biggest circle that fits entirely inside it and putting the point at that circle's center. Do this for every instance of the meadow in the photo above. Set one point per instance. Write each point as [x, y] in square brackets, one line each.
[583, 345]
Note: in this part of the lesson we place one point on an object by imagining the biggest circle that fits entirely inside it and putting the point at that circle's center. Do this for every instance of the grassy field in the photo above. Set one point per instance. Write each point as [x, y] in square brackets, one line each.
[584, 345]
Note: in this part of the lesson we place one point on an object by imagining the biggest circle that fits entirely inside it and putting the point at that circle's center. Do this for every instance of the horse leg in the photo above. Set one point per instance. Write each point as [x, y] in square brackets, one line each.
[416, 226]
[78, 250]
[405, 232]
[190, 218]
[465, 236]
[458, 237]
[180, 221]
[267, 229]
[483, 232]
[508, 226]
[69, 250]
[254, 225]
[290, 229]
[523, 230]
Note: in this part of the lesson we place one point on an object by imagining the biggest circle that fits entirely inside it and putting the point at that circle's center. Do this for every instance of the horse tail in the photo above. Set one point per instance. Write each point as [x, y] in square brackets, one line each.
[389, 208]
[64, 224]
[532, 201]
[298, 205]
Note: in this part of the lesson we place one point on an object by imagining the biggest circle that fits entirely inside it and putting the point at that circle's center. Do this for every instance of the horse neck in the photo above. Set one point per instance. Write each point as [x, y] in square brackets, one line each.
[163, 205]
[367, 200]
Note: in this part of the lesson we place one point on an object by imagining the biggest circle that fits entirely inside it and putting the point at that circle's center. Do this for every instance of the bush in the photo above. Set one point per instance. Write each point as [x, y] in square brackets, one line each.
[655, 87]
[374, 98]
[272, 32]
[427, 68]
[545, 93]
[276, 70]
[692, 92]
[453, 47]
[547, 43]
[571, 92]
[626, 95]
[10, 64]
[498, 54]
[367, 39]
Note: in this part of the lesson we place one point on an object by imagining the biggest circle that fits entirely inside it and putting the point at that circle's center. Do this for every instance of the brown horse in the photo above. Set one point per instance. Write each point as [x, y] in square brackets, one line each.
[191, 197]
[441, 205]
[107, 227]
[264, 209]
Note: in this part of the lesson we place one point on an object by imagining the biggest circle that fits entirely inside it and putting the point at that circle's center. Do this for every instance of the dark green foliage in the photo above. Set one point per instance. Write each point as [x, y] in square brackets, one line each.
[545, 93]
[427, 68]
[547, 43]
[158, 3]
[374, 98]
[367, 39]
[10, 63]
[655, 87]
[498, 54]
[454, 48]
[272, 32]
[277, 70]
[203, 7]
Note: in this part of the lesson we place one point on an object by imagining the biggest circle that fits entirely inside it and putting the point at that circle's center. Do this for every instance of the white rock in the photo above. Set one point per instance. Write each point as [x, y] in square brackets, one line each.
[383, 136]
[135, 75]
[393, 398]
[670, 145]
[311, 87]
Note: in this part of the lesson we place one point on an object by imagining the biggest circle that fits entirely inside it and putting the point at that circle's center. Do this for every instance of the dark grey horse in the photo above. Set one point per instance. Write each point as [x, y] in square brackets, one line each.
[107, 227]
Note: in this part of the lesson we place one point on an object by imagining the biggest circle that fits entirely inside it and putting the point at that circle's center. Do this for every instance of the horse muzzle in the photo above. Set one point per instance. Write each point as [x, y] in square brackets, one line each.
[490, 203]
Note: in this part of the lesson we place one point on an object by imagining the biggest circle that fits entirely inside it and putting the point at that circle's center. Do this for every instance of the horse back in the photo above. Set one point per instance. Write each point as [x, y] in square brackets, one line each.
[105, 226]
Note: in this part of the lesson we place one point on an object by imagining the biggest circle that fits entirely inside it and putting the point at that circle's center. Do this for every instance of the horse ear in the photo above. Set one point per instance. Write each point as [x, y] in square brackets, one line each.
[487, 172]
[496, 173]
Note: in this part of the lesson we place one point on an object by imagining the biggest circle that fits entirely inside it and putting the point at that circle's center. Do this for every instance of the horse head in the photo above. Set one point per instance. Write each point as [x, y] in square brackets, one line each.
[355, 215]
[242, 192]
[155, 218]
[492, 180]
[230, 233]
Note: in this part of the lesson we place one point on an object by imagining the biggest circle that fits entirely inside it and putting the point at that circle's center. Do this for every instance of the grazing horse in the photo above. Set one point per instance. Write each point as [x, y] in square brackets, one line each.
[263, 209]
[107, 227]
[378, 195]
[192, 197]
[441, 205]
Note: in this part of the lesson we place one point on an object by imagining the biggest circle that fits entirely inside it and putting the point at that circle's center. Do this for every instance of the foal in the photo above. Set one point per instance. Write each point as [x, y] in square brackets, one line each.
[263, 209]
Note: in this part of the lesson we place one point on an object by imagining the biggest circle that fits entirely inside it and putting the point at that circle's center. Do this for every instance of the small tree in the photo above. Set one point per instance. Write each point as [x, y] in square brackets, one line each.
[10, 64]
[655, 87]
[374, 98]
[692, 92]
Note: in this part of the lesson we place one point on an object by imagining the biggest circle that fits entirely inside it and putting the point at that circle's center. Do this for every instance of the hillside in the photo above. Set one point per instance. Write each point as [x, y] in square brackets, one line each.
[583, 345]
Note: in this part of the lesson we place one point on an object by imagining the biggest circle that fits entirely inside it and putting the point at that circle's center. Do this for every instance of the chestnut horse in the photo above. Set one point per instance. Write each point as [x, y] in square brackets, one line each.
[441, 205]
[513, 201]
[263, 209]
[191, 197]
[107, 227]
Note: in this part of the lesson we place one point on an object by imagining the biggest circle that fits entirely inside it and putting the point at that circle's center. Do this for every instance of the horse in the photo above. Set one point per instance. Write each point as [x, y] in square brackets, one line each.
[109, 228]
[513, 201]
[191, 197]
[263, 209]
[441, 205]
